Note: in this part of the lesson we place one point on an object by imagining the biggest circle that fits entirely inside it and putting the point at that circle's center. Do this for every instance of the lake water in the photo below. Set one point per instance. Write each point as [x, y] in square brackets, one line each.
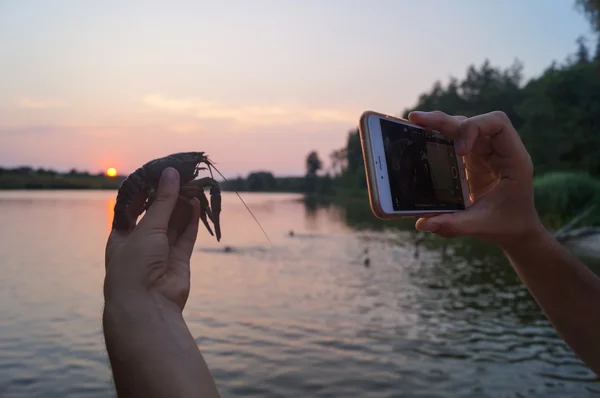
[303, 318]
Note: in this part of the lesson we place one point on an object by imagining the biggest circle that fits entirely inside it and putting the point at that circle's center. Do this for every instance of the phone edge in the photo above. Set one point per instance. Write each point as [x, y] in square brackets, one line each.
[372, 187]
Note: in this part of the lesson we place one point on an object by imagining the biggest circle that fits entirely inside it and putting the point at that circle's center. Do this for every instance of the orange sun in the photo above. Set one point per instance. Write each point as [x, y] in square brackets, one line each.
[111, 172]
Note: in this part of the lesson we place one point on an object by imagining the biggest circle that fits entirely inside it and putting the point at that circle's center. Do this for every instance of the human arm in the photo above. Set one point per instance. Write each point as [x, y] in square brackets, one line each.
[503, 212]
[152, 352]
[150, 348]
[566, 290]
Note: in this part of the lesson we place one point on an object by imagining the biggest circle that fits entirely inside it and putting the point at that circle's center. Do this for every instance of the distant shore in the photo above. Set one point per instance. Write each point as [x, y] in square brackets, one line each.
[27, 178]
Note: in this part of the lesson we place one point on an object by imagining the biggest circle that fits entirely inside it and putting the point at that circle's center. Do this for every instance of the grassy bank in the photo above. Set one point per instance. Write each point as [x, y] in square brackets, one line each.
[559, 197]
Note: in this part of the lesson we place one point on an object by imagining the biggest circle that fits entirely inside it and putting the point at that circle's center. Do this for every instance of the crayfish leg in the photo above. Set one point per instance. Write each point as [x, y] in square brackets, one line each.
[214, 210]
[196, 189]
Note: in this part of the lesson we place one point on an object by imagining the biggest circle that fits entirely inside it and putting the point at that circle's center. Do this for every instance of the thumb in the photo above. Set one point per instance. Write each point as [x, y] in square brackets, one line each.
[159, 213]
[449, 225]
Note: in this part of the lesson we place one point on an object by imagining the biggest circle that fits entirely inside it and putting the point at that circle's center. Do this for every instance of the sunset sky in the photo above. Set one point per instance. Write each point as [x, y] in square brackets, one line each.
[255, 84]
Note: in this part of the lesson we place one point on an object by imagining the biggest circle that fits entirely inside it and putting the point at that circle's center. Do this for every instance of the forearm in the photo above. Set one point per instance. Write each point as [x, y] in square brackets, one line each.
[153, 353]
[566, 290]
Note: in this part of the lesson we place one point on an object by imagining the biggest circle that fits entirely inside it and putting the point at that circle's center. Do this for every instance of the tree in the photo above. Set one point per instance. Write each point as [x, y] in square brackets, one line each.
[583, 54]
[591, 9]
[261, 181]
[338, 161]
[354, 156]
[483, 90]
[561, 114]
[313, 164]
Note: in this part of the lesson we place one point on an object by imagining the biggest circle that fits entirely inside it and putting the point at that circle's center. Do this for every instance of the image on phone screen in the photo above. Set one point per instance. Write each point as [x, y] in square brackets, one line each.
[422, 169]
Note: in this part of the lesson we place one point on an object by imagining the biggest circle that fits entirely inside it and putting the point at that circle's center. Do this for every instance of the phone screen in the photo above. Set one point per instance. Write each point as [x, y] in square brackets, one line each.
[422, 169]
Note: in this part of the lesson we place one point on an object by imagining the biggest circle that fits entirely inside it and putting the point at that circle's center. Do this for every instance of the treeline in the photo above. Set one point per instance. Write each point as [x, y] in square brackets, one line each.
[258, 181]
[265, 181]
[29, 178]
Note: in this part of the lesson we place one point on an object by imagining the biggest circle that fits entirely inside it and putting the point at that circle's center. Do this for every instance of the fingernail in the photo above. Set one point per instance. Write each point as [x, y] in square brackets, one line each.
[461, 145]
[430, 227]
[419, 113]
[170, 175]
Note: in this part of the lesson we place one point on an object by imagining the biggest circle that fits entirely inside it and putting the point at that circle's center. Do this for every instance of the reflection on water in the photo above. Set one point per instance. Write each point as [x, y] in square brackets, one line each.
[110, 206]
[304, 317]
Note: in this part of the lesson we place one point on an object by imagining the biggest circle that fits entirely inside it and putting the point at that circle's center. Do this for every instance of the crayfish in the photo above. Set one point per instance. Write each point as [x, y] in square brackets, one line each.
[146, 178]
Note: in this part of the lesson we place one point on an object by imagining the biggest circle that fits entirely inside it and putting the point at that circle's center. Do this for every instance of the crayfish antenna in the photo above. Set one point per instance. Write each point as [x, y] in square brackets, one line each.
[247, 208]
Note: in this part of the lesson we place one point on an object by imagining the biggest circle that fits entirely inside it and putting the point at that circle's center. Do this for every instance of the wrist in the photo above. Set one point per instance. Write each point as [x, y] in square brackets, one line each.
[139, 320]
[138, 307]
[534, 235]
[148, 345]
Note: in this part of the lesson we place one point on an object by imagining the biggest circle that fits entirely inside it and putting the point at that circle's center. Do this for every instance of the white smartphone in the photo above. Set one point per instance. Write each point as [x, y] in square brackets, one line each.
[411, 171]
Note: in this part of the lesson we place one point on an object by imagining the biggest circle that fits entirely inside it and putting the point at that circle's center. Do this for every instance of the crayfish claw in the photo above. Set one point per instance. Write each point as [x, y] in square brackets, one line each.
[215, 204]
[203, 213]
[204, 202]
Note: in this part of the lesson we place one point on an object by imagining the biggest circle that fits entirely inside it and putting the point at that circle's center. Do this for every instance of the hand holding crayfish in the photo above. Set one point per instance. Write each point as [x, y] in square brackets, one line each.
[153, 257]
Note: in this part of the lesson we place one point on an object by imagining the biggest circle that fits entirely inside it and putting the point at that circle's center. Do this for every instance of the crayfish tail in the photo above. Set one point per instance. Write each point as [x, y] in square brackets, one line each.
[120, 220]
[134, 183]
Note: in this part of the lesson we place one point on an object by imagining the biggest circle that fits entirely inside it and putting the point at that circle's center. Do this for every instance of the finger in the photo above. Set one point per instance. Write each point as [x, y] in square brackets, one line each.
[181, 253]
[438, 121]
[117, 237]
[498, 127]
[184, 247]
[167, 194]
[451, 224]
[180, 218]
[114, 242]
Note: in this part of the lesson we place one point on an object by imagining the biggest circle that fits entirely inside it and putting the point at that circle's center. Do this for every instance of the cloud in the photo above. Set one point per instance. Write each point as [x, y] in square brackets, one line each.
[28, 130]
[158, 101]
[64, 129]
[261, 115]
[185, 128]
[31, 103]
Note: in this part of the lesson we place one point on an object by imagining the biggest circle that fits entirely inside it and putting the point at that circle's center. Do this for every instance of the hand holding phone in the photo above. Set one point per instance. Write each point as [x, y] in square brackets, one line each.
[500, 179]
[411, 171]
